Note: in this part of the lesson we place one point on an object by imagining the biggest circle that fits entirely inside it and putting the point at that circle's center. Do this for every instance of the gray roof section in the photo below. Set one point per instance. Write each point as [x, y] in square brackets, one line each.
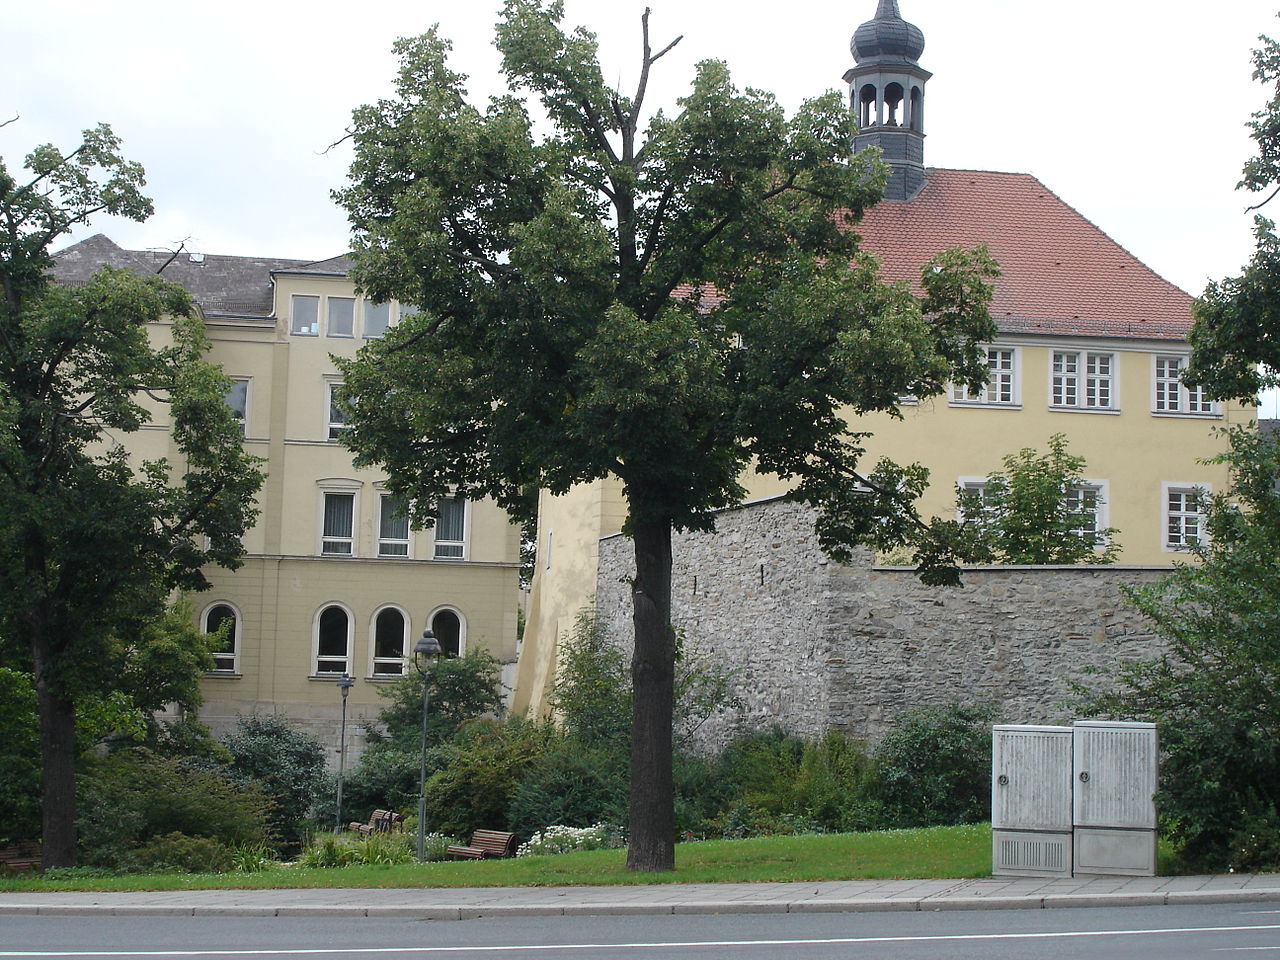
[222, 285]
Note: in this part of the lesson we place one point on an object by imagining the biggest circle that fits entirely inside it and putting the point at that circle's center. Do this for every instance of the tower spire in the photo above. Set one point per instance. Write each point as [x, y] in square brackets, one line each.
[886, 94]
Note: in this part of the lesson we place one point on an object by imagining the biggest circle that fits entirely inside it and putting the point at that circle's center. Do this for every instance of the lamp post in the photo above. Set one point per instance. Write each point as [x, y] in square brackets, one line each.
[345, 683]
[424, 651]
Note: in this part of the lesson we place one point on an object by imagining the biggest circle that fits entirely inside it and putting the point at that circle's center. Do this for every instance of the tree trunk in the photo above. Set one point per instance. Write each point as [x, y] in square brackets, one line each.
[58, 768]
[652, 810]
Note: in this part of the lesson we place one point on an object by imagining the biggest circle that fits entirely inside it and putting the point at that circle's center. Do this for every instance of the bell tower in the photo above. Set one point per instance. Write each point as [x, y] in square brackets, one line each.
[886, 95]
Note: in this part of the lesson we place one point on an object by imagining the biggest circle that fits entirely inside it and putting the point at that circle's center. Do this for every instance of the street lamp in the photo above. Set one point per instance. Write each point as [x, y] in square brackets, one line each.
[424, 651]
[345, 683]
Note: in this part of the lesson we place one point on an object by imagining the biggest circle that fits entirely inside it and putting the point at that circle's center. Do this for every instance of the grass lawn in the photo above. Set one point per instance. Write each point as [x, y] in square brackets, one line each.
[932, 852]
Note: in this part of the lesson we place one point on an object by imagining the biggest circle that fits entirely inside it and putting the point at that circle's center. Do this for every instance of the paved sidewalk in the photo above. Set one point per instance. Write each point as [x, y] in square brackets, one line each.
[430, 903]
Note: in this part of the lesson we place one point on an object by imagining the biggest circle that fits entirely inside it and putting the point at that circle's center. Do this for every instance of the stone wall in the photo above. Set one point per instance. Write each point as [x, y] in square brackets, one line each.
[815, 644]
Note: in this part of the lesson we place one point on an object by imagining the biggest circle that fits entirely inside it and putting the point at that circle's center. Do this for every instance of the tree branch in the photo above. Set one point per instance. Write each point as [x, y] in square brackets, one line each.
[1259, 206]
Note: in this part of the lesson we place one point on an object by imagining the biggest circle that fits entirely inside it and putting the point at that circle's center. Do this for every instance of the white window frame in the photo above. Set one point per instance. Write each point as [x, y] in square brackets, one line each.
[1004, 385]
[1167, 490]
[1078, 389]
[407, 542]
[462, 545]
[236, 635]
[406, 644]
[365, 305]
[328, 318]
[1102, 505]
[244, 416]
[312, 328]
[462, 623]
[1170, 397]
[315, 640]
[341, 486]
[333, 428]
[978, 484]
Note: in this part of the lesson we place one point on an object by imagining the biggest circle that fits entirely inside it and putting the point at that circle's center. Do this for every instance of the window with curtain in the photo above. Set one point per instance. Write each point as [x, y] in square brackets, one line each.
[393, 528]
[451, 528]
[339, 524]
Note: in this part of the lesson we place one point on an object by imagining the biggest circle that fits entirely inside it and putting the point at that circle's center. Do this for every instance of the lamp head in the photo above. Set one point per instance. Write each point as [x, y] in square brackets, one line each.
[426, 648]
[345, 683]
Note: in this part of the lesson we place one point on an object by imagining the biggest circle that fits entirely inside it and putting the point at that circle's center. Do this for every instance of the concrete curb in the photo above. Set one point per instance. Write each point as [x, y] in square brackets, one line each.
[668, 908]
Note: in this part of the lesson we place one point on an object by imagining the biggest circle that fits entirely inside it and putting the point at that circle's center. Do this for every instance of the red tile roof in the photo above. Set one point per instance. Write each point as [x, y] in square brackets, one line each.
[1060, 273]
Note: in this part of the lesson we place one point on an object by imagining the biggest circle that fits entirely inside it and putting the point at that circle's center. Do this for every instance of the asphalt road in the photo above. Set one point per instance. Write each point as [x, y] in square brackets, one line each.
[1106, 933]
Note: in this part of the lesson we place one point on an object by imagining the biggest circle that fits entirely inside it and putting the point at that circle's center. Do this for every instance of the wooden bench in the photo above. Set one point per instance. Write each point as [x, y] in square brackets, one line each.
[381, 821]
[23, 855]
[486, 843]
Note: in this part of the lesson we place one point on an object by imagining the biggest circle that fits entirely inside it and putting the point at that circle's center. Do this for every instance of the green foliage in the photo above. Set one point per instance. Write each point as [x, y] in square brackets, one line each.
[180, 853]
[571, 785]
[558, 838]
[484, 765]
[565, 332]
[91, 544]
[286, 763]
[933, 768]
[131, 797]
[1234, 348]
[593, 698]
[1037, 510]
[252, 858]
[19, 757]
[1215, 693]
[460, 689]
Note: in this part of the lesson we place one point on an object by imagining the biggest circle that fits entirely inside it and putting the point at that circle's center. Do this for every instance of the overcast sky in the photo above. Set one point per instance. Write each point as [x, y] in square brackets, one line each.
[1132, 111]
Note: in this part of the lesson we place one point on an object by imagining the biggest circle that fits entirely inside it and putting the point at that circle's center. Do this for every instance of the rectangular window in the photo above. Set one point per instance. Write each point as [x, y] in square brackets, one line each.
[342, 317]
[1182, 516]
[305, 312]
[339, 524]
[393, 529]
[451, 528]
[1001, 381]
[1172, 395]
[1084, 503]
[971, 501]
[337, 416]
[1082, 380]
[238, 400]
[376, 318]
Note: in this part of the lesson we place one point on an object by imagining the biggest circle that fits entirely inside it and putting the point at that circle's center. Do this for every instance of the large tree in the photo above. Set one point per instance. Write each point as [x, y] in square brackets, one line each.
[670, 300]
[1236, 337]
[91, 543]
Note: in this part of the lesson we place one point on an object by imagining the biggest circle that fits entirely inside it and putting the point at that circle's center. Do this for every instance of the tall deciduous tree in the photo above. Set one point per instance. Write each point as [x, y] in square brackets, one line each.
[1235, 341]
[669, 303]
[90, 542]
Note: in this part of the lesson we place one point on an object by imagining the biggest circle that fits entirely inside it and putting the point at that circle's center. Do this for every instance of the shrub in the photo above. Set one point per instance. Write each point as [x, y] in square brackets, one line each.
[252, 858]
[341, 850]
[462, 689]
[484, 765]
[328, 850]
[288, 763]
[932, 769]
[131, 797]
[571, 785]
[562, 839]
[181, 853]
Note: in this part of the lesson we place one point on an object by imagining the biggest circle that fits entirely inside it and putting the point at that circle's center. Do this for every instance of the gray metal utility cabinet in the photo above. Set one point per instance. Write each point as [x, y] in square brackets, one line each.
[1074, 800]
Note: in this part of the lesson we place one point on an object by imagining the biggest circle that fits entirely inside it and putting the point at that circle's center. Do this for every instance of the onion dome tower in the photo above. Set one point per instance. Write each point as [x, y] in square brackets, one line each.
[886, 94]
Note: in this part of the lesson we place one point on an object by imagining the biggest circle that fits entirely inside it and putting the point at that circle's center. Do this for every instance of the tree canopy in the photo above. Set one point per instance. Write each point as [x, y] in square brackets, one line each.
[666, 298]
[1038, 509]
[92, 541]
[1236, 337]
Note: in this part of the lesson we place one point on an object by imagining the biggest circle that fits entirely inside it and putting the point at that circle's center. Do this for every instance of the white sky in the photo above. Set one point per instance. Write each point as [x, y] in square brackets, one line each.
[1132, 111]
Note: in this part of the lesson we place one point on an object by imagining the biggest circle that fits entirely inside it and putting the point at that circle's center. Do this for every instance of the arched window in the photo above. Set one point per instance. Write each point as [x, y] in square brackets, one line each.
[867, 112]
[226, 653]
[892, 101]
[916, 120]
[390, 640]
[333, 641]
[449, 630]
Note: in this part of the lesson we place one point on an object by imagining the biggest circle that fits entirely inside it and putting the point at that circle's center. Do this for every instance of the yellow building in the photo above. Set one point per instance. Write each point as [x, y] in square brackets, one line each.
[333, 581]
[1091, 345]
